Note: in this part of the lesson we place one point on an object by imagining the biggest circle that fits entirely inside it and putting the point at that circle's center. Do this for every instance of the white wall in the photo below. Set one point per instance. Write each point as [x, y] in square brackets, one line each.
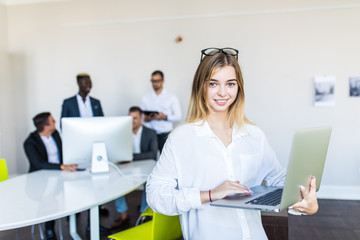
[7, 126]
[282, 46]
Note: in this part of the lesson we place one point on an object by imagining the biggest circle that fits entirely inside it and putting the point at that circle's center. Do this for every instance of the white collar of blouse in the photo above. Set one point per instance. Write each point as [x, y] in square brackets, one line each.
[202, 128]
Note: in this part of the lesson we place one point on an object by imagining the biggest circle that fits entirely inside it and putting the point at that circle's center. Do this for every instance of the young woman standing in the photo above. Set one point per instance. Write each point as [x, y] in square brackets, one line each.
[215, 153]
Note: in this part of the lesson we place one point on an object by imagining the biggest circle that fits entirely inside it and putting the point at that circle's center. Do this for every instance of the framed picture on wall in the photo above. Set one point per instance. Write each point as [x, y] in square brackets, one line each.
[324, 91]
[354, 86]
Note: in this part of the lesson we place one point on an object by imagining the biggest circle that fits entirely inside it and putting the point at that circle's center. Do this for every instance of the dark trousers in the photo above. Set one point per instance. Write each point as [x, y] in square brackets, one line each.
[50, 225]
[162, 139]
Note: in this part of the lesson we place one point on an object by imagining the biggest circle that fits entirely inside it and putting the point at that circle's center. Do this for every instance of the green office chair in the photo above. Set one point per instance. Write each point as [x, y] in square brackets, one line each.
[161, 227]
[3, 170]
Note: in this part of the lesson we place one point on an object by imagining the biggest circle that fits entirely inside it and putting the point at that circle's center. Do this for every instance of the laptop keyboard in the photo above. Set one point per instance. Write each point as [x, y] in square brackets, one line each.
[270, 199]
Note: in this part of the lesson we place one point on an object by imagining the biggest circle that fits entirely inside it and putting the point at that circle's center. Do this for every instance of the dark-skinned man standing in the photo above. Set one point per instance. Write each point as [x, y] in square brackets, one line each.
[82, 105]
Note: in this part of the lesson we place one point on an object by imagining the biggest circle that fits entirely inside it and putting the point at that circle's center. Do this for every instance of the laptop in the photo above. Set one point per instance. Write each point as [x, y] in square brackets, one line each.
[307, 158]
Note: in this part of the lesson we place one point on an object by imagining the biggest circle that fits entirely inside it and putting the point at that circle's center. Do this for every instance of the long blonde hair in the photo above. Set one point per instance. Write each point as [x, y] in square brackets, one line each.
[199, 107]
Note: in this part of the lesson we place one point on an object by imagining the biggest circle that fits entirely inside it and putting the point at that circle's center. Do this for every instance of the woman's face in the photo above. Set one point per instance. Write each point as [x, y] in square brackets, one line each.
[222, 89]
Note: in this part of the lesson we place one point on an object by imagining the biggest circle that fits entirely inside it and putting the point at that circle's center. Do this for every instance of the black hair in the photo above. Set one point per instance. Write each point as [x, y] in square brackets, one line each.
[81, 76]
[158, 72]
[135, 109]
[41, 120]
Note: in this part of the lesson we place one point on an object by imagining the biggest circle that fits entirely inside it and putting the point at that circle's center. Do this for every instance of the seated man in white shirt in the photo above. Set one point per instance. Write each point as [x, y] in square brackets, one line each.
[44, 151]
[145, 147]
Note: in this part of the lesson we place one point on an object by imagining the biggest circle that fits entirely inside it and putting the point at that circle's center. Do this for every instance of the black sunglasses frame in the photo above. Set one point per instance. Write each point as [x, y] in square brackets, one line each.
[218, 50]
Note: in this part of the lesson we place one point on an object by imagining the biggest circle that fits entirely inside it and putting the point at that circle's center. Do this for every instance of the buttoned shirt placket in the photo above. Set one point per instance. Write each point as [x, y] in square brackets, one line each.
[231, 176]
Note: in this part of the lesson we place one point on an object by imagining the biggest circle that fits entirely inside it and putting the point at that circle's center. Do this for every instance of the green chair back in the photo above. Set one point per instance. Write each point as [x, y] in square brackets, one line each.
[161, 227]
[166, 227]
[148, 212]
[3, 170]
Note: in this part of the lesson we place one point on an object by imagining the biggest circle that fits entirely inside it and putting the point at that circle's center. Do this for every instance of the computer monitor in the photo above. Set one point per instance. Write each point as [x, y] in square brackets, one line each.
[96, 140]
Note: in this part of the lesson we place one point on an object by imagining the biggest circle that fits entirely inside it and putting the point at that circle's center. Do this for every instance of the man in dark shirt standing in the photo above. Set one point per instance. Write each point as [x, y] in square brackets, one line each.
[44, 151]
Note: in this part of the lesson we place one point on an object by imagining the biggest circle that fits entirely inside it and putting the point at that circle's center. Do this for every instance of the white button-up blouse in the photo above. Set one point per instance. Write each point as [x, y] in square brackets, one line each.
[194, 159]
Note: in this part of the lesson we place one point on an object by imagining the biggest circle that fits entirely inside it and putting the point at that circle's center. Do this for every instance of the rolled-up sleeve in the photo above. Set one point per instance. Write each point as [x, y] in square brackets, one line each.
[163, 193]
[274, 173]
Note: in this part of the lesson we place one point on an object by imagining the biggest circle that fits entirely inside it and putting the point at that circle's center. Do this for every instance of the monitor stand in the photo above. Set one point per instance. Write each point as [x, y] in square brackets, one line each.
[99, 162]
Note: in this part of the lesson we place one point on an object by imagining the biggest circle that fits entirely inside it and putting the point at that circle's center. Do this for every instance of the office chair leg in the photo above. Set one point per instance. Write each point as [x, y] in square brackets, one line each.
[60, 229]
[139, 220]
[17, 233]
[41, 232]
